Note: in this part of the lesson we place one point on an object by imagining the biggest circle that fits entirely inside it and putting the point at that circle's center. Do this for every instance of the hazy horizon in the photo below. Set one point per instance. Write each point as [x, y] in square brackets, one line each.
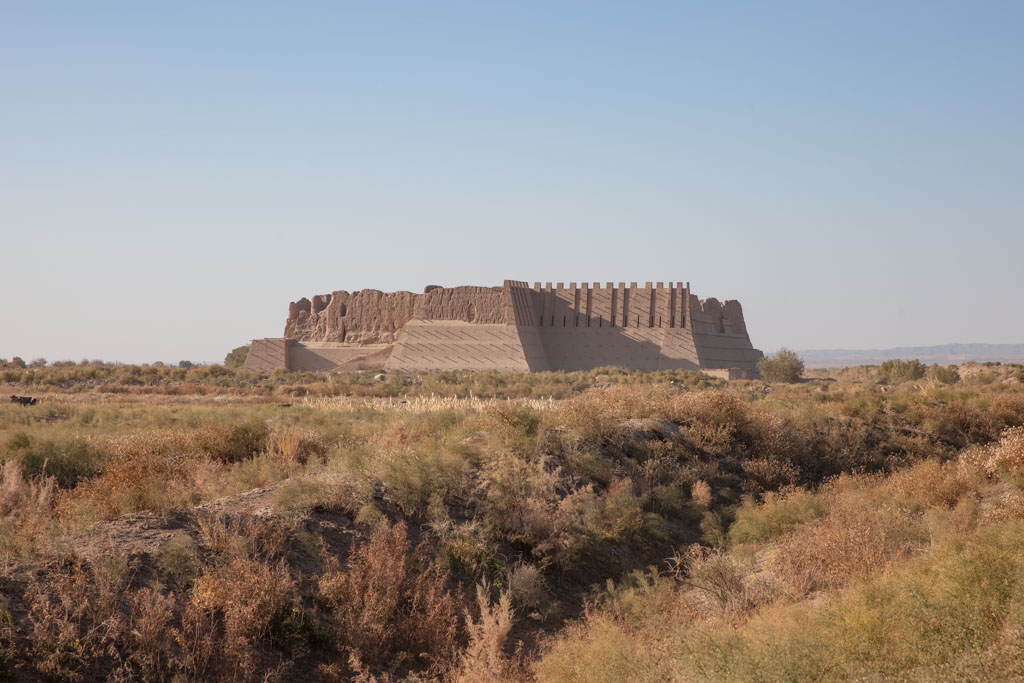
[172, 176]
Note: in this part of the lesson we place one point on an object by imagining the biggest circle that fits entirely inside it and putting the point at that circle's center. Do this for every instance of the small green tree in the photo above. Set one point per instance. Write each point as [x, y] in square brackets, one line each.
[236, 358]
[784, 366]
[896, 371]
[185, 364]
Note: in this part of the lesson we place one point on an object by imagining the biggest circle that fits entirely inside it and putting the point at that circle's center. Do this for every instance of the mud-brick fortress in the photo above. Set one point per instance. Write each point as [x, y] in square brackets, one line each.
[514, 327]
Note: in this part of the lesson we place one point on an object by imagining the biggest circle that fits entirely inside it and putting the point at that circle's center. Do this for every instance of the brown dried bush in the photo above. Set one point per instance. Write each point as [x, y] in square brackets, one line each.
[230, 442]
[768, 474]
[526, 586]
[146, 470]
[514, 422]
[598, 414]
[700, 493]
[615, 514]
[931, 483]
[711, 408]
[243, 535]
[232, 608]
[858, 536]
[1005, 456]
[959, 423]
[518, 496]
[390, 607]
[484, 659]
[74, 617]
[725, 586]
[20, 496]
[150, 636]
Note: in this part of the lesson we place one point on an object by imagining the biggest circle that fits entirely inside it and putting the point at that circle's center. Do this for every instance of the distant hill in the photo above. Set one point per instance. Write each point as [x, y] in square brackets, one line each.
[946, 354]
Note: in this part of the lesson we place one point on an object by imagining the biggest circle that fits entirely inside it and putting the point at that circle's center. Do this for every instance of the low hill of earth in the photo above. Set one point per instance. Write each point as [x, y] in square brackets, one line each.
[945, 354]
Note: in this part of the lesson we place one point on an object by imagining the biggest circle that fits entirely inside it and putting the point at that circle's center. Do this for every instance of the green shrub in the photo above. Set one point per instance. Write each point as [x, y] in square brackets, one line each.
[987, 377]
[69, 461]
[896, 371]
[777, 515]
[514, 420]
[179, 561]
[784, 366]
[943, 375]
[302, 494]
[236, 358]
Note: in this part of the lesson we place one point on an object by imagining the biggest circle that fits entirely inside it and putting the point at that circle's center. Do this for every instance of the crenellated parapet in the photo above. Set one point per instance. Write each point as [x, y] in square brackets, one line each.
[593, 305]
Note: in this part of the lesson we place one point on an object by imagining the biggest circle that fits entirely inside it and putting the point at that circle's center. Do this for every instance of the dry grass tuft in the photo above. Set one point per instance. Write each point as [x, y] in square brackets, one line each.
[21, 497]
[295, 445]
[483, 658]
[1007, 455]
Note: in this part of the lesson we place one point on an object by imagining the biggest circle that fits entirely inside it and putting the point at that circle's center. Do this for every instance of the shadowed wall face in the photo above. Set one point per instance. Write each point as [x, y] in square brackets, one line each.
[267, 355]
[553, 326]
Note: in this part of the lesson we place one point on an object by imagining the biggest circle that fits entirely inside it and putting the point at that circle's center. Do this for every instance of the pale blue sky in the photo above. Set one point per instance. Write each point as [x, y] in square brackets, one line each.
[172, 174]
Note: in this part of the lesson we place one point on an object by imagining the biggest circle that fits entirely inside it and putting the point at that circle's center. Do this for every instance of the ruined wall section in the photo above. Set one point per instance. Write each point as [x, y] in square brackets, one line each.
[483, 305]
[370, 316]
[720, 334]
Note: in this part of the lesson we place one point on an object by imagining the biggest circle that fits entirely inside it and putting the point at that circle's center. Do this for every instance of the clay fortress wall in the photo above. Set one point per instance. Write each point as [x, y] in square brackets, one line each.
[514, 327]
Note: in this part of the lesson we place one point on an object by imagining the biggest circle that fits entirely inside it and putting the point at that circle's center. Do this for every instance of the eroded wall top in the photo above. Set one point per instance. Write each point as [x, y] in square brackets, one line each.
[469, 304]
[370, 316]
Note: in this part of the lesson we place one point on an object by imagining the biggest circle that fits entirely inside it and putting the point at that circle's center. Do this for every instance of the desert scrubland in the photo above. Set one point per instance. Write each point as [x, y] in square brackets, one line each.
[160, 523]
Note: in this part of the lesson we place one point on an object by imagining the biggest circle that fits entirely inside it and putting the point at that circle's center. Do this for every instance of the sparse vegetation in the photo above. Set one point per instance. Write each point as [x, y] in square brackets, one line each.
[917, 572]
[371, 529]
